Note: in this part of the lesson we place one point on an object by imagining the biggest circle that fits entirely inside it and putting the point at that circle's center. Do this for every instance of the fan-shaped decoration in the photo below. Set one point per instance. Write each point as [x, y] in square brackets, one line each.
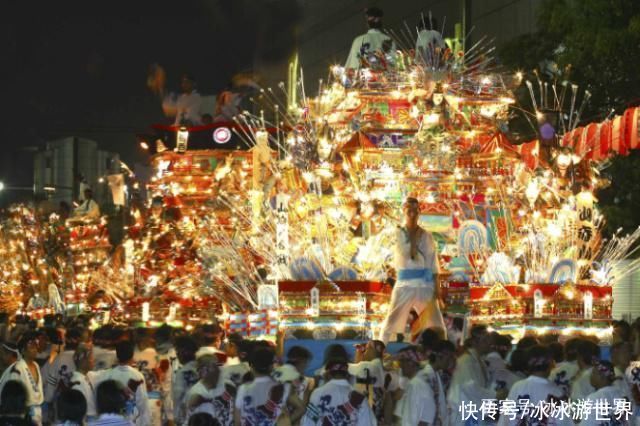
[343, 273]
[500, 269]
[563, 271]
[306, 269]
[472, 237]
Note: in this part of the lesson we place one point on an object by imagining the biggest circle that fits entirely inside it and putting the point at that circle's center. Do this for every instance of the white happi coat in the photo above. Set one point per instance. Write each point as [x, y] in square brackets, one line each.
[235, 372]
[581, 386]
[61, 368]
[365, 44]
[104, 358]
[418, 403]
[132, 380]
[20, 372]
[219, 401]
[255, 402]
[564, 374]
[337, 403]
[606, 415]
[535, 390]
[470, 383]
[439, 391]
[380, 381]
[184, 379]
[84, 384]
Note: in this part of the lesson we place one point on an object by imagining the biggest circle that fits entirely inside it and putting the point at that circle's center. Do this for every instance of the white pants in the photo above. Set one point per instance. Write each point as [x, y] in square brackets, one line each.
[404, 298]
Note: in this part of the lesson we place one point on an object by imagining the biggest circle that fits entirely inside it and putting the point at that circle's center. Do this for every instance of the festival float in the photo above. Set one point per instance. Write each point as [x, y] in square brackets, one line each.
[296, 234]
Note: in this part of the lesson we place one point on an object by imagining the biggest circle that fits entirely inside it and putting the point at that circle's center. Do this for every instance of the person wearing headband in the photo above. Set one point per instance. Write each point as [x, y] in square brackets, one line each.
[293, 370]
[371, 42]
[608, 396]
[83, 377]
[537, 389]
[336, 402]
[212, 394]
[26, 371]
[416, 263]
[417, 405]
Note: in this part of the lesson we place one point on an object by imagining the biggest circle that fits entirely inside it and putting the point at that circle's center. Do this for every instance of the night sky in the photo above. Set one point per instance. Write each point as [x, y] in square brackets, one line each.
[79, 68]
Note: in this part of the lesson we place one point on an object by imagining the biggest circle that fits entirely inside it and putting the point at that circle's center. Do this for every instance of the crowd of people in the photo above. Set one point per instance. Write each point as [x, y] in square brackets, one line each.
[116, 375]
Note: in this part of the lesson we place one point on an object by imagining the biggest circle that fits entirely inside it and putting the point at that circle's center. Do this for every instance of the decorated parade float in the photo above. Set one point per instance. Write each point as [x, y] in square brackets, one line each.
[297, 234]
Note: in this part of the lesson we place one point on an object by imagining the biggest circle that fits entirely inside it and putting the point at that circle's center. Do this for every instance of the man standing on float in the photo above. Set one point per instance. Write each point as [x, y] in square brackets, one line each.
[416, 263]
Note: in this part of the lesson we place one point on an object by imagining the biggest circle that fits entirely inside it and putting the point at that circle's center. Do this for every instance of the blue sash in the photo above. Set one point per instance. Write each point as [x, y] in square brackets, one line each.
[414, 274]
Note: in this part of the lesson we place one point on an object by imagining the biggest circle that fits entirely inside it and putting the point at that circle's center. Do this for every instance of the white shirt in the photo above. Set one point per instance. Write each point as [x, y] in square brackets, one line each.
[470, 383]
[432, 378]
[20, 372]
[84, 384]
[417, 404]
[613, 395]
[425, 258]
[337, 403]
[535, 390]
[88, 209]
[104, 358]
[62, 368]
[256, 403]
[501, 377]
[133, 382]
[581, 386]
[185, 378]
[219, 401]
[234, 373]
[370, 42]
[380, 382]
[563, 375]
[186, 107]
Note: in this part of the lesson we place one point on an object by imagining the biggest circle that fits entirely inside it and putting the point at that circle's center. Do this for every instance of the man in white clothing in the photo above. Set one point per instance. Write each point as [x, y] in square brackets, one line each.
[365, 47]
[418, 406]
[89, 209]
[532, 392]
[212, 394]
[416, 262]
[186, 106]
[581, 386]
[133, 383]
[608, 397]
[82, 378]
[371, 377]
[336, 402]
[185, 377]
[442, 360]
[564, 373]
[471, 381]
[429, 45]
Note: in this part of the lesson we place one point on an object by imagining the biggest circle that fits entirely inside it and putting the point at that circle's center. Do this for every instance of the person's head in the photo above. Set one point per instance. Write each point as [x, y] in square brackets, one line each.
[261, 361]
[621, 354]
[335, 350]
[8, 353]
[409, 358]
[208, 367]
[88, 194]
[72, 338]
[602, 374]
[13, 399]
[427, 22]
[587, 352]
[28, 345]
[621, 331]
[411, 208]
[374, 17]
[211, 335]
[83, 358]
[502, 344]
[124, 351]
[442, 356]
[480, 339]
[187, 84]
[428, 338]
[337, 368]
[571, 348]
[186, 348]
[232, 347]
[71, 406]
[539, 361]
[110, 398]
[518, 361]
[163, 334]
[526, 342]
[374, 350]
[144, 338]
[299, 357]
[203, 419]
[557, 352]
